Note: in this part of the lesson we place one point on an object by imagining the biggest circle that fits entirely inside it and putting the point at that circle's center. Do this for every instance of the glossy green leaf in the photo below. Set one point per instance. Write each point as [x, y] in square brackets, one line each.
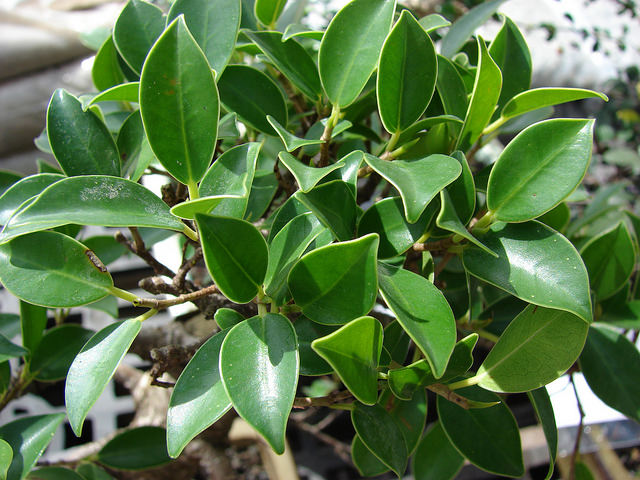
[436, 457]
[307, 177]
[228, 128]
[534, 263]
[485, 95]
[23, 190]
[236, 255]
[134, 148]
[544, 411]
[285, 250]
[33, 321]
[55, 353]
[268, 11]
[6, 455]
[406, 74]
[463, 191]
[335, 206]
[539, 169]
[179, 104]
[291, 142]
[451, 89]
[610, 364]
[353, 351]
[537, 347]
[28, 437]
[52, 270]
[10, 350]
[351, 46]
[487, 437]
[232, 174]
[136, 449]
[364, 460]
[418, 181]
[464, 27]
[405, 381]
[422, 311]
[126, 92]
[291, 59]
[253, 95]
[106, 71]
[227, 318]
[298, 30]
[433, 22]
[136, 30]
[90, 471]
[198, 399]
[213, 24]
[610, 259]
[410, 415]
[380, 434]
[263, 191]
[290, 209]
[307, 331]
[337, 283]
[80, 141]
[425, 124]
[94, 366]
[190, 208]
[545, 97]
[262, 351]
[92, 200]
[557, 218]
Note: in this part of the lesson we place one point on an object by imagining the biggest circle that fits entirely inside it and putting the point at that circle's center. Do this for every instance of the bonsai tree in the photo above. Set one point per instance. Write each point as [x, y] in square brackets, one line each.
[321, 176]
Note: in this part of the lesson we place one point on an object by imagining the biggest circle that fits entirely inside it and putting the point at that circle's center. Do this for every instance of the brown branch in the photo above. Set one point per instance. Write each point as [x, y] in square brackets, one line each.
[187, 265]
[138, 248]
[440, 245]
[185, 297]
[450, 395]
[442, 264]
[331, 399]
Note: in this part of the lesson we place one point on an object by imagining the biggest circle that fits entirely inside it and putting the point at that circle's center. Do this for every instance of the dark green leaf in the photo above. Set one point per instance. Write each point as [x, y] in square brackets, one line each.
[94, 366]
[108, 305]
[557, 218]
[179, 104]
[287, 212]
[89, 471]
[7, 179]
[213, 24]
[55, 353]
[227, 318]
[307, 331]
[54, 473]
[337, 283]
[263, 190]
[33, 321]
[425, 124]
[436, 457]
[410, 416]
[106, 71]
[307, 177]
[353, 351]
[10, 325]
[135, 151]
[535, 264]
[610, 364]
[80, 141]
[136, 449]
[198, 399]
[106, 247]
[544, 411]
[366, 462]
[351, 46]
[10, 350]
[291, 142]
[262, 352]
[451, 88]
[23, 190]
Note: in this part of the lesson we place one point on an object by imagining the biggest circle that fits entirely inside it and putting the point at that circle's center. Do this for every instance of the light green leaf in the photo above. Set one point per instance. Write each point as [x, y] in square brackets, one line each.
[236, 255]
[92, 200]
[134, 147]
[135, 31]
[535, 264]
[136, 449]
[337, 283]
[28, 437]
[55, 353]
[94, 366]
[214, 25]
[291, 142]
[52, 270]
[268, 11]
[544, 412]
[298, 30]
[433, 22]
[307, 177]
[422, 311]
[262, 352]
[610, 364]
[307, 331]
[610, 259]
[436, 457]
[253, 95]
[79, 140]
[6, 455]
[23, 190]
[537, 347]
[190, 208]
[353, 351]
[351, 46]
[33, 321]
[487, 437]
[539, 169]
[418, 181]
[126, 92]
[179, 104]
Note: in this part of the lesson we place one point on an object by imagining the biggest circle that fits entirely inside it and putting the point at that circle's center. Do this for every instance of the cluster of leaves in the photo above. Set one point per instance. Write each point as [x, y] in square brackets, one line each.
[340, 177]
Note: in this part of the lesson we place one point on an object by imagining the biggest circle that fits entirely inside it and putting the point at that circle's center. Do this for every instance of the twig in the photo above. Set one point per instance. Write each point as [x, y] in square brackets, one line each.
[341, 449]
[449, 394]
[138, 248]
[438, 246]
[185, 297]
[331, 399]
[442, 264]
[576, 446]
[187, 265]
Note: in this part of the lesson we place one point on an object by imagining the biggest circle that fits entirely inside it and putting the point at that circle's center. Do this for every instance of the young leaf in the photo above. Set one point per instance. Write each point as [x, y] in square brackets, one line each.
[253, 95]
[610, 363]
[307, 331]
[418, 181]
[190, 208]
[534, 263]
[79, 140]
[236, 255]
[268, 11]
[486, 91]
[406, 75]
[262, 352]
[52, 270]
[537, 347]
[307, 177]
[433, 22]
[487, 437]
[94, 366]
[23, 190]
[126, 92]
[337, 283]
[33, 321]
[610, 259]
[55, 353]
[353, 351]
[92, 200]
[544, 411]
[136, 30]
[136, 449]
[213, 24]
[290, 58]
[179, 104]
[539, 169]
[422, 311]
[291, 142]
[436, 457]
[351, 46]
[365, 461]
[380, 434]
[28, 437]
